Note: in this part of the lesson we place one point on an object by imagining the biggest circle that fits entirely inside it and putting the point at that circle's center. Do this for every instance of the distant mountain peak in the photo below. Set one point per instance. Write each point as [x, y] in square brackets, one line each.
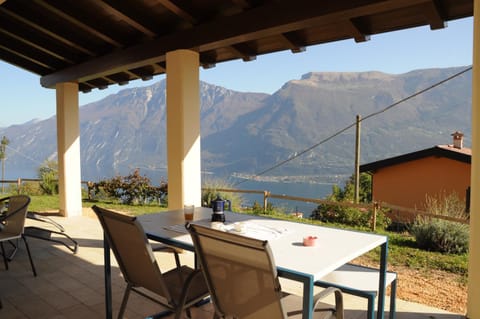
[345, 76]
[33, 121]
[248, 132]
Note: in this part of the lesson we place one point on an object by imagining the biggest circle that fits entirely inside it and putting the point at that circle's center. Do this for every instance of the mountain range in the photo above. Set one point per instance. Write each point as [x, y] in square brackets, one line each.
[308, 124]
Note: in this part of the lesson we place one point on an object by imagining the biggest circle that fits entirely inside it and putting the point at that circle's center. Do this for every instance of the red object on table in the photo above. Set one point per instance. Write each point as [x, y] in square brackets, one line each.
[309, 241]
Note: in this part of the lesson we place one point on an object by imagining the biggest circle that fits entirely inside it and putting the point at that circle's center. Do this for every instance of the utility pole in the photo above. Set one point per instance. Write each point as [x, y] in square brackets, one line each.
[357, 160]
[3, 156]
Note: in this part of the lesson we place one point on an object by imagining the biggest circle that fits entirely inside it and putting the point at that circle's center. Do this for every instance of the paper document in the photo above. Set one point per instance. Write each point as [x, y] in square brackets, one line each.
[246, 228]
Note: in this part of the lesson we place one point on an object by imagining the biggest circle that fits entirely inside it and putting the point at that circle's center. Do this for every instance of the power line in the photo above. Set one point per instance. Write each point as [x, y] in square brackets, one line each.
[23, 155]
[355, 123]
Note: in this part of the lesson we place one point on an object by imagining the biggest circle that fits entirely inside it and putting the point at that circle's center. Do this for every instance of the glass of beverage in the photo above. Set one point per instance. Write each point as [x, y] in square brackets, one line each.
[188, 211]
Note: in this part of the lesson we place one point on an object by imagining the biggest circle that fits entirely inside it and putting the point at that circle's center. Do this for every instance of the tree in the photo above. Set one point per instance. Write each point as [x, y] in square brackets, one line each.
[344, 214]
[3, 156]
[48, 173]
[348, 192]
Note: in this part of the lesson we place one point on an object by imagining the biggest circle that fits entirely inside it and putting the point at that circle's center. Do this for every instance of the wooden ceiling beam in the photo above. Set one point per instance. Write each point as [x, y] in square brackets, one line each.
[100, 83]
[244, 51]
[178, 11]
[228, 31]
[355, 27]
[22, 62]
[293, 41]
[145, 72]
[85, 26]
[121, 78]
[208, 59]
[434, 15]
[56, 52]
[31, 53]
[114, 9]
[244, 4]
[36, 28]
[162, 66]
[85, 87]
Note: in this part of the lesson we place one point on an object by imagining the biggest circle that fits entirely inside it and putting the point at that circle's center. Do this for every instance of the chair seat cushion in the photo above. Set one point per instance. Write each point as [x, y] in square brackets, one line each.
[175, 279]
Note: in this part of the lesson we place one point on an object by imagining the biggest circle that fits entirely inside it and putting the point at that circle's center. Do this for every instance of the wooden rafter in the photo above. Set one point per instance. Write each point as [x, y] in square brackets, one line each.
[180, 12]
[434, 15]
[357, 33]
[106, 39]
[88, 27]
[113, 9]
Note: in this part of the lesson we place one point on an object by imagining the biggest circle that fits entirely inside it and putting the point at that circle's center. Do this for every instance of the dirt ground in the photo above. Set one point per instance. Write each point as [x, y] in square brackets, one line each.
[438, 289]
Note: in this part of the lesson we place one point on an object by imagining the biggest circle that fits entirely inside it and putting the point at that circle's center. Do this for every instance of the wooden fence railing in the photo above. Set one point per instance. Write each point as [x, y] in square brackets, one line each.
[415, 212]
[18, 182]
[375, 206]
[267, 195]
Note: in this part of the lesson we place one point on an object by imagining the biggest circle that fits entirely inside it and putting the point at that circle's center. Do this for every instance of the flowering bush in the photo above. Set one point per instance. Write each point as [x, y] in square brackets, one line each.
[131, 189]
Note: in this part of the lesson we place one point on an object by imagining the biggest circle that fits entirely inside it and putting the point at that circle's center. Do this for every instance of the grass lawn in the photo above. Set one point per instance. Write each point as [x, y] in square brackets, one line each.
[44, 203]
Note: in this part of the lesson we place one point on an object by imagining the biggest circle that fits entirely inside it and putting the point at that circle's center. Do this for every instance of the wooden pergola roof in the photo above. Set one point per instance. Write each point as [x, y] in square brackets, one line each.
[98, 43]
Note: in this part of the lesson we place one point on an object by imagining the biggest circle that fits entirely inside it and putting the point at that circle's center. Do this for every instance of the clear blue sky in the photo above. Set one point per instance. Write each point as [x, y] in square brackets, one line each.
[23, 99]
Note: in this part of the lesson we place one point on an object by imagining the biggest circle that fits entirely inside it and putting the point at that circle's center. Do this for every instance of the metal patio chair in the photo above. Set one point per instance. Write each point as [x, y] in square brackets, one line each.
[13, 212]
[177, 289]
[53, 232]
[243, 280]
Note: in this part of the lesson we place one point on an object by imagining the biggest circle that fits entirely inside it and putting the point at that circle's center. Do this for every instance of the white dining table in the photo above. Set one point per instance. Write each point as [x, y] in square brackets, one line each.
[333, 248]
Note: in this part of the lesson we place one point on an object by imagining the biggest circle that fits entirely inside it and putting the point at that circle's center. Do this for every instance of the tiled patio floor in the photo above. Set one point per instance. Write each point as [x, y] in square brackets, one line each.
[72, 286]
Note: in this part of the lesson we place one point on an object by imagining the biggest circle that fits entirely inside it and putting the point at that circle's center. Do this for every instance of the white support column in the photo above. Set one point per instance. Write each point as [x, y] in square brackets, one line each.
[68, 145]
[473, 308]
[183, 129]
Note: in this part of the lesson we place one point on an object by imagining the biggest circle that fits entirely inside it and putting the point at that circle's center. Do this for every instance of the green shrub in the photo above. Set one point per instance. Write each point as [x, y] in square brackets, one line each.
[339, 214]
[348, 191]
[440, 235]
[29, 188]
[49, 183]
[271, 209]
[48, 173]
[330, 213]
[257, 209]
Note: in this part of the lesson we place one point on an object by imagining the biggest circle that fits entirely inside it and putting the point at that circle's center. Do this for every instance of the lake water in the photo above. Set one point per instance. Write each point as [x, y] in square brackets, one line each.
[318, 191]
[308, 190]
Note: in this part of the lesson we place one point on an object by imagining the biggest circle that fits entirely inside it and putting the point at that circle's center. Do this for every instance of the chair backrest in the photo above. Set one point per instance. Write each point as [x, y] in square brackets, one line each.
[133, 252]
[16, 212]
[240, 273]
